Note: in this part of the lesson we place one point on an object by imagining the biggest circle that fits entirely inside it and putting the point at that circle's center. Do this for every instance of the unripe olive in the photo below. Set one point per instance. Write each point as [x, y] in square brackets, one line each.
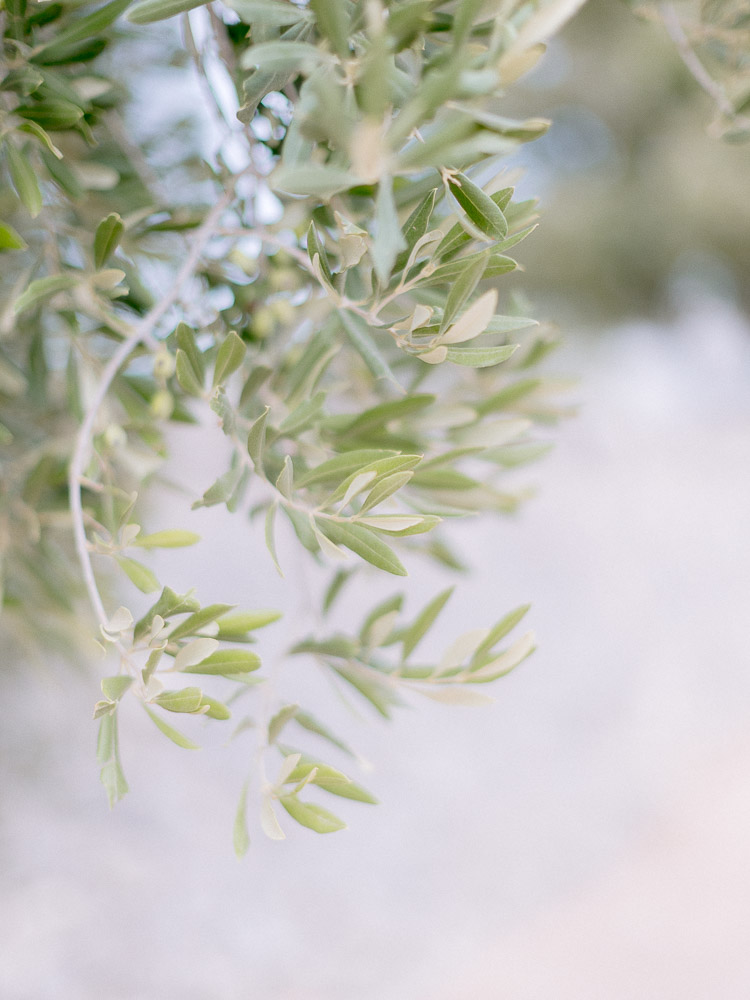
[164, 365]
[162, 404]
[283, 279]
[283, 310]
[115, 437]
[264, 321]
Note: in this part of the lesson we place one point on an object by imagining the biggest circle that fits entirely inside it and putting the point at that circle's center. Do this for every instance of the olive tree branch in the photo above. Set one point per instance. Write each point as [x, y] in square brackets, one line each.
[142, 332]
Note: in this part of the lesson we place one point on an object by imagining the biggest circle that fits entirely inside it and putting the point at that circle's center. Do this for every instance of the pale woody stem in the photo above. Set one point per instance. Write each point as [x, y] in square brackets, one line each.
[712, 87]
[140, 333]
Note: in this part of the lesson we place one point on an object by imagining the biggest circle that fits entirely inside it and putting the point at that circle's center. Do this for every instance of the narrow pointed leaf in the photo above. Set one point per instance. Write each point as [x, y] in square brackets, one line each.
[279, 720]
[456, 237]
[270, 537]
[185, 338]
[386, 607]
[384, 489]
[315, 247]
[214, 709]
[374, 471]
[382, 414]
[401, 524]
[474, 321]
[24, 179]
[268, 821]
[284, 56]
[52, 114]
[88, 26]
[480, 357]
[187, 700]
[226, 662]
[256, 440]
[170, 732]
[313, 725]
[10, 239]
[106, 741]
[222, 490]
[195, 651]
[328, 778]
[416, 226]
[506, 661]
[315, 179]
[332, 18]
[139, 574]
[148, 11]
[242, 622]
[483, 212]
[496, 264]
[343, 464]
[306, 415]
[170, 539]
[378, 693]
[199, 620]
[113, 779]
[269, 13]
[363, 340]
[106, 238]
[168, 605]
[115, 687]
[389, 239]
[462, 289]
[312, 816]
[230, 357]
[453, 695]
[186, 374]
[363, 543]
[285, 480]
[240, 834]
[424, 620]
[42, 288]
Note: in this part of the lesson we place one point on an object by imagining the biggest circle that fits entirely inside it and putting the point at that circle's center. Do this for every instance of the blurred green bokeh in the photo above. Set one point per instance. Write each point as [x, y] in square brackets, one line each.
[641, 206]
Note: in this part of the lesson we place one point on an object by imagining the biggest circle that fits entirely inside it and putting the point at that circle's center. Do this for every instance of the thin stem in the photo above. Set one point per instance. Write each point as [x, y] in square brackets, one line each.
[141, 332]
[225, 51]
[266, 236]
[401, 289]
[125, 329]
[699, 72]
[281, 498]
[204, 80]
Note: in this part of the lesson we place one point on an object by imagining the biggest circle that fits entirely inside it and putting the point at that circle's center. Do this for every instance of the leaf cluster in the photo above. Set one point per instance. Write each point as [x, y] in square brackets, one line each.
[359, 348]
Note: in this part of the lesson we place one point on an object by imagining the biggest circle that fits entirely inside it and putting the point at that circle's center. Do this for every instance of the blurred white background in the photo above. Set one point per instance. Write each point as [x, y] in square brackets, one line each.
[584, 838]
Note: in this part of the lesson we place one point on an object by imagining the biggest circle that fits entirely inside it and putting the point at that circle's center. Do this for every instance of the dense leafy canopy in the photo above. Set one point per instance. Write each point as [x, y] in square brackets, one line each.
[332, 281]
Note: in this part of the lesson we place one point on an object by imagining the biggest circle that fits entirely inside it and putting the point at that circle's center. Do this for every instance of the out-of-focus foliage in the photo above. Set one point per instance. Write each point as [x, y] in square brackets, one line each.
[713, 40]
[331, 280]
[636, 190]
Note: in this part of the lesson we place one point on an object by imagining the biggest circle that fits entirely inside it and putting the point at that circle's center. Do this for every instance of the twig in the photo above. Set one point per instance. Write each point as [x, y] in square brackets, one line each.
[224, 46]
[141, 332]
[265, 236]
[204, 80]
[699, 72]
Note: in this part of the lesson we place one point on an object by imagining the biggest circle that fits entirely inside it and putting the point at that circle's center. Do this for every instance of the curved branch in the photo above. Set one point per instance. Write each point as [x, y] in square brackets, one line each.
[141, 332]
[676, 32]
